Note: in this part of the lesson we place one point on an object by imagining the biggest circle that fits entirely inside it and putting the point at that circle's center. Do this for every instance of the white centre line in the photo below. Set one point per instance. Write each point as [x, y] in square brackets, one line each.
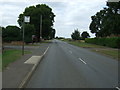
[82, 61]
[118, 88]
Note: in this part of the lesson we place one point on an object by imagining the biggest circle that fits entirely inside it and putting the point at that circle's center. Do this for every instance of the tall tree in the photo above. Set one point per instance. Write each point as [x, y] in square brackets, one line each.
[106, 22]
[75, 35]
[29, 31]
[35, 13]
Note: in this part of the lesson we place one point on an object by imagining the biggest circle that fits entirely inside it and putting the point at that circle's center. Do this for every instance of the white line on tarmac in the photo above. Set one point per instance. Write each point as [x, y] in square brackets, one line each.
[46, 50]
[82, 61]
[118, 88]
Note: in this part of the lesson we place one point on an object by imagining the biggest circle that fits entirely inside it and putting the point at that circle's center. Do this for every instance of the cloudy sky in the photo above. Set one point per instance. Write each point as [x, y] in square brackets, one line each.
[70, 14]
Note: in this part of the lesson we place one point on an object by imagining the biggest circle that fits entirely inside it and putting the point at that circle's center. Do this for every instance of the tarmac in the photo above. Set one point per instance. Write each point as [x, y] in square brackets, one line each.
[18, 73]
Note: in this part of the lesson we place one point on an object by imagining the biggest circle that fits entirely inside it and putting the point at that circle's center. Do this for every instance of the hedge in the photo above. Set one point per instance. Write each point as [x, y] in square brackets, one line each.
[113, 42]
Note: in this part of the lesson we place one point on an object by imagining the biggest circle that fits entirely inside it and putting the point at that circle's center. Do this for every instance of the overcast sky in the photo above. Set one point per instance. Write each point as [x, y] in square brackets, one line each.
[70, 14]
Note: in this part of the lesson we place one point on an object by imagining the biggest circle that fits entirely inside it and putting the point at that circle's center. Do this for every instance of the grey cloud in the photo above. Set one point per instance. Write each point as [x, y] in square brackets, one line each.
[69, 15]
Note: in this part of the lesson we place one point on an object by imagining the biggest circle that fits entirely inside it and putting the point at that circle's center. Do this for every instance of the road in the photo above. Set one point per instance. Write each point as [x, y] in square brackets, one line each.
[68, 66]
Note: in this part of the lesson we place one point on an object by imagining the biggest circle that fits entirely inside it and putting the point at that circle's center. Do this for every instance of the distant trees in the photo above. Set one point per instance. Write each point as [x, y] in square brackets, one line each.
[107, 21]
[84, 35]
[75, 35]
[11, 33]
[35, 13]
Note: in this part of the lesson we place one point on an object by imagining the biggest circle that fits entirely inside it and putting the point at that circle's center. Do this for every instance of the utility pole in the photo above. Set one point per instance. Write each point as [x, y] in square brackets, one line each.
[23, 39]
[40, 27]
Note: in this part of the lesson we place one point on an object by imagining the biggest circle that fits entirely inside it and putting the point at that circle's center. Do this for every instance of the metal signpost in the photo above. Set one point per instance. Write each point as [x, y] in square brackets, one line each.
[40, 27]
[26, 20]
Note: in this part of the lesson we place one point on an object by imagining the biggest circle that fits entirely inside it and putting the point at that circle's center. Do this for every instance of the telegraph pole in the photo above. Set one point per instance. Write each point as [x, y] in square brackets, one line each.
[23, 39]
[40, 27]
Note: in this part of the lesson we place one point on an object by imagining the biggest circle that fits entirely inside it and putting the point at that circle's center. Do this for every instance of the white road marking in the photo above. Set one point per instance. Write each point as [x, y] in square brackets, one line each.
[82, 61]
[117, 88]
[33, 60]
[70, 52]
[46, 50]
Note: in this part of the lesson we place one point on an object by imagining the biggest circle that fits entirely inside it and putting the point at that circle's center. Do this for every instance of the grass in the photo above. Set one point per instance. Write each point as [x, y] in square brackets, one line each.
[10, 56]
[113, 53]
[110, 52]
[83, 44]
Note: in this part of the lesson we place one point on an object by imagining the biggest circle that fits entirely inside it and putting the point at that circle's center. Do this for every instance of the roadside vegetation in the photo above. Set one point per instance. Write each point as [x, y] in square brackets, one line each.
[112, 42]
[20, 43]
[81, 43]
[105, 24]
[10, 56]
[32, 29]
[111, 52]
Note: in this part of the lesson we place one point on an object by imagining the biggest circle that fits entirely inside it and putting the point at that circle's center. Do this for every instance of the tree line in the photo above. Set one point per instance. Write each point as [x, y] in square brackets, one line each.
[14, 33]
[76, 35]
[106, 22]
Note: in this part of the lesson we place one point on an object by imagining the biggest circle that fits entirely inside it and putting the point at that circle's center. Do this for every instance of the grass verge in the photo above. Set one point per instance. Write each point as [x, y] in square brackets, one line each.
[10, 56]
[83, 44]
[113, 53]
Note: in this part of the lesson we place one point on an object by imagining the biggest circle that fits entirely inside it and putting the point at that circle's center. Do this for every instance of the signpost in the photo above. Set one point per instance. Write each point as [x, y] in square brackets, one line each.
[26, 20]
[40, 27]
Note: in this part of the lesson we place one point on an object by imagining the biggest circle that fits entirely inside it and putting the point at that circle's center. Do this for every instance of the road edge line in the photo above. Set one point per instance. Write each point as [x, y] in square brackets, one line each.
[29, 74]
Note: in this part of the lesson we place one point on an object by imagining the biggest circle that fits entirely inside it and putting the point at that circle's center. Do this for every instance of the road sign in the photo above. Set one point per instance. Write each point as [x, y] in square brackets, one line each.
[27, 19]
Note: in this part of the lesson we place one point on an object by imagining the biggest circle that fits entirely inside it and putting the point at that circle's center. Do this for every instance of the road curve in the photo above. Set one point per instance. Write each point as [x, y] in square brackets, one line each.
[68, 66]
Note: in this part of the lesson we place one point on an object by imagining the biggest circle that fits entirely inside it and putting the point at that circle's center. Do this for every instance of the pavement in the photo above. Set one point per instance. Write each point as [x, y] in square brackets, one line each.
[0, 80]
[18, 72]
[69, 66]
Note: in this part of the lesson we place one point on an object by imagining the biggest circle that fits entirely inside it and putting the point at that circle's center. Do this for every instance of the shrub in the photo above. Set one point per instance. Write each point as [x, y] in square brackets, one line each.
[113, 42]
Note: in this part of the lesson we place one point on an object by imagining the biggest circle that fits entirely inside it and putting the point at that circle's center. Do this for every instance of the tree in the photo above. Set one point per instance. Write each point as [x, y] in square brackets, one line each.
[52, 34]
[75, 35]
[35, 13]
[106, 22]
[85, 34]
[29, 31]
[11, 33]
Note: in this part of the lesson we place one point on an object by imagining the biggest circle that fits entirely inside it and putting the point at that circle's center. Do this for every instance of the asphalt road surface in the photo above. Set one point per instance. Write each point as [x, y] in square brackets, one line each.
[68, 66]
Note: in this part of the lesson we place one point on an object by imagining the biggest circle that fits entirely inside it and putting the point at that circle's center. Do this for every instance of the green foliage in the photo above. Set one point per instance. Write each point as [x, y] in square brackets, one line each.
[11, 33]
[47, 20]
[52, 34]
[110, 42]
[75, 35]
[60, 37]
[107, 21]
[85, 34]
[29, 31]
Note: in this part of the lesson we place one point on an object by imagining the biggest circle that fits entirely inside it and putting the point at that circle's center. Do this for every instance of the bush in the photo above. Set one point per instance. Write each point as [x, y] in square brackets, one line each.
[113, 42]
